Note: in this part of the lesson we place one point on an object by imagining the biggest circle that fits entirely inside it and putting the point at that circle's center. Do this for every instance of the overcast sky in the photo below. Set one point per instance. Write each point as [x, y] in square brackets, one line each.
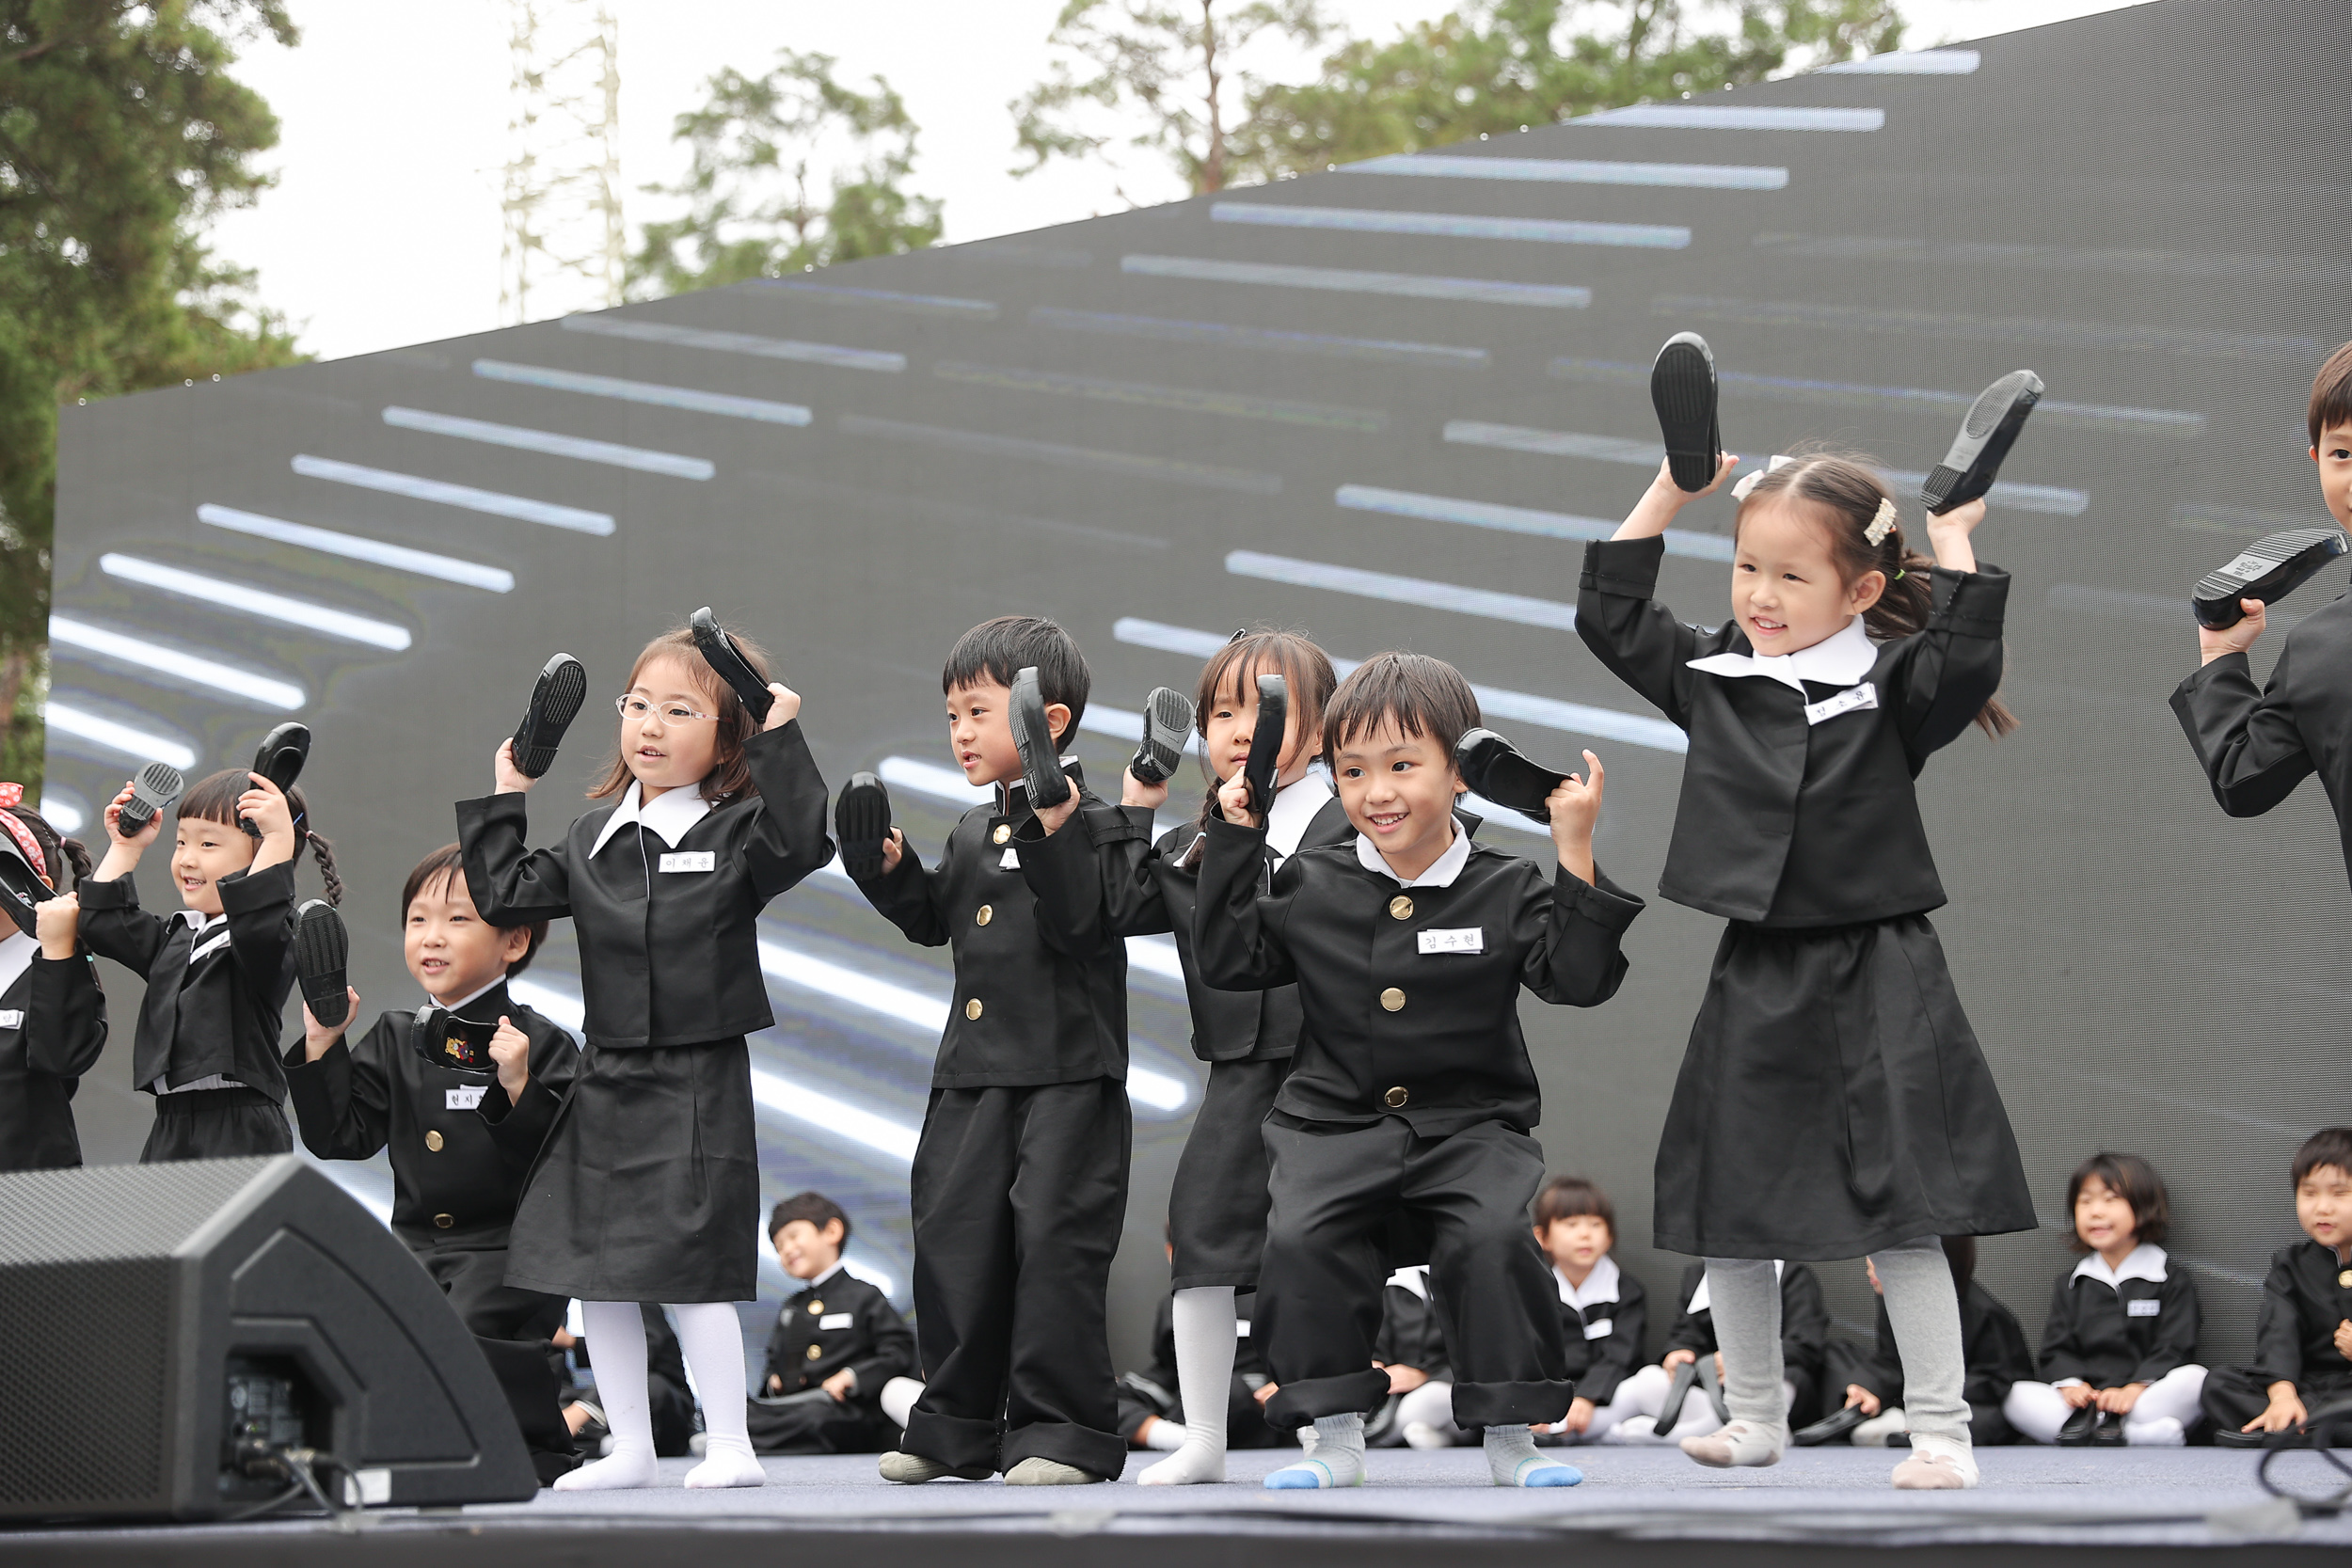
[384, 227]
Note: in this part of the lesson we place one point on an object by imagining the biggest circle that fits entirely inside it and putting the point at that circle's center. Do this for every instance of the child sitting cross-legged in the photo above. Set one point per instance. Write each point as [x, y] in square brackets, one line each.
[837, 1341]
[1992, 1344]
[2303, 1336]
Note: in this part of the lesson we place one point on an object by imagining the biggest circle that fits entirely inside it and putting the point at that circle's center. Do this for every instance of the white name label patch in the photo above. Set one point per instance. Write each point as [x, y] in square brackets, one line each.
[1009, 860]
[12, 1018]
[466, 1096]
[1468, 939]
[2142, 1307]
[1865, 696]
[835, 1320]
[1599, 1328]
[691, 860]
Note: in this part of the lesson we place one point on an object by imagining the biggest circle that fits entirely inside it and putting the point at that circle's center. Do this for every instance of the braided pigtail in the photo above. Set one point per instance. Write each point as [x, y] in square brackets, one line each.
[324, 852]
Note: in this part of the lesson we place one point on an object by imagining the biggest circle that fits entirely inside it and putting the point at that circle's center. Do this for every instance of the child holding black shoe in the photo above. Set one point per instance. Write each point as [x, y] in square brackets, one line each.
[1848, 661]
[53, 1019]
[1407, 1116]
[1020, 1180]
[647, 1185]
[219, 971]
[2119, 1349]
[2303, 1335]
[1642, 1401]
[1871, 1376]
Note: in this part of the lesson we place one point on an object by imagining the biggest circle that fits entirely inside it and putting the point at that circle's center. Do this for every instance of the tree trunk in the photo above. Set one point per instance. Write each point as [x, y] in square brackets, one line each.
[1213, 163]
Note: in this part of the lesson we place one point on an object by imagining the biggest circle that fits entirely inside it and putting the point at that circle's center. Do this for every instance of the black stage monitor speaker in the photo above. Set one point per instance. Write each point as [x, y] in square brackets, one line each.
[163, 1327]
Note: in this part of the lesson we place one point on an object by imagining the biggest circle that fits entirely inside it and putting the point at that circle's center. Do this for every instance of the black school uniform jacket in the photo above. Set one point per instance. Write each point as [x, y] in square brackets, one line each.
[1803, 1319]
[2303, 1300]
[2256, 744]
[1993, 1348]
[1785, 822]
[1396, 1023]
[53, 1028]
[1040, 980]
[2133, 1331]
[666, 958]
[456, 1175]
[839, 1322]
[1605, 1337]
[215, 999]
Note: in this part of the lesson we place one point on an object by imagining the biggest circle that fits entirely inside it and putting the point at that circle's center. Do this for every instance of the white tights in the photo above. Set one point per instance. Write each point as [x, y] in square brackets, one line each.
[2166, 1410]
[712, 1337]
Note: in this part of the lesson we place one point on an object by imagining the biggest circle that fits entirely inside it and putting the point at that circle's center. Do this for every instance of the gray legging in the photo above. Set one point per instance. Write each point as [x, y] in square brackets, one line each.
[1921, 1304]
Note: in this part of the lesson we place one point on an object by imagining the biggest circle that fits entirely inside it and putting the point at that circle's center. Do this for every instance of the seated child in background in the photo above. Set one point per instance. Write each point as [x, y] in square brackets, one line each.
[836, 1342]
[2117, 1351]
[1411, 1349]
[2303, 1336]
[1604, 1313]
[1803, 1342]
[1991, 1345]
[1151, 1407]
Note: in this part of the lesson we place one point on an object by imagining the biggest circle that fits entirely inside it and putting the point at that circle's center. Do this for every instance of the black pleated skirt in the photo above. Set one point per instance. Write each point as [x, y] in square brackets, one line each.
[1216, 1209]
[1833, 1100]
[647, 1188]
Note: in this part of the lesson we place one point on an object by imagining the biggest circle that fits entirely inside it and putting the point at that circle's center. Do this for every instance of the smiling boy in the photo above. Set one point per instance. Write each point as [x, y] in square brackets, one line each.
[1410, 1108]
[2303, 1335]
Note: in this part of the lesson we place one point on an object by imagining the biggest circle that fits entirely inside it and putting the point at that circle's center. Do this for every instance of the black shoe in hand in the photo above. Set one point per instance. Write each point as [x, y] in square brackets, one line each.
[2076, 1431]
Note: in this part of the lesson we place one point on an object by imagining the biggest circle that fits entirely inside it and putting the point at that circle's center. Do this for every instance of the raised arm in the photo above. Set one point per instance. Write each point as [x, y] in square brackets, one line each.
[65, 1014]
[907, 895]
[1237, 933]
[512, 883]
[2246, 738]
[260, 905]
[342, 1097]
[1073, 871]
[1635, 637]
[785, 838]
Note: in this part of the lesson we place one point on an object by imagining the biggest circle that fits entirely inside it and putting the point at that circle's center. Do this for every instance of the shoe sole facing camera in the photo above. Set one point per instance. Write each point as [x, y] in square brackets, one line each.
[860, 821]
[2268, 569]
[1682, 389]
[555, 700]
[1033, 736]
[1166, 727]
[152, 793]
[1982, 445]
[322, 957]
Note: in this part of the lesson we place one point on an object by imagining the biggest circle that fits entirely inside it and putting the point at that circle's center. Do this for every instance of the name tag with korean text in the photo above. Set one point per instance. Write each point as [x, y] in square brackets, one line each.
[1468, 939]
[2143, 1307]
[12, 1018]
[466, 1096]
[835, 1320]
[1865, 696]
[1009, 860]
[1599, 1328]
[691, 860]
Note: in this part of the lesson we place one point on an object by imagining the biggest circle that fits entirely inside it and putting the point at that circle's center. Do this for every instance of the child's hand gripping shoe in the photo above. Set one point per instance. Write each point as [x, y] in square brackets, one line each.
[1265, 743]
[1682, 389]
[1033, 733]
[1167, 726]
[860, 821]
[2268, 570]
[279, 759]
[322, 954]
[719, 651]
[1495, 769]
[555, 701]
[1985, 437]
[152, 792]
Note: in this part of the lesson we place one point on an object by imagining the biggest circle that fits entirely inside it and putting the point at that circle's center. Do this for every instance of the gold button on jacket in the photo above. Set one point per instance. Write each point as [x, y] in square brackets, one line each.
[816, 1353]
[987, 913]
[1003, 833]
[444, 1221]
[433, 1142]
[816, 1308]
[972, 1008]
[1399, 907]
[1396, 1098]
[1392, 999]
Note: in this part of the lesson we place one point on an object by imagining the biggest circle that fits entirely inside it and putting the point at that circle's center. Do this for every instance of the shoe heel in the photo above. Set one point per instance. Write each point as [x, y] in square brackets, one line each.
[322, 959]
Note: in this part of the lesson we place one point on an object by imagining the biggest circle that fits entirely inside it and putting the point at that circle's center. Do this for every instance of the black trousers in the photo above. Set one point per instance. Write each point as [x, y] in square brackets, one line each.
[818, 1425]
[2235, 1395]
[1019, 1196]
[1339, 1193]
[474, 1280]
[216, 1124]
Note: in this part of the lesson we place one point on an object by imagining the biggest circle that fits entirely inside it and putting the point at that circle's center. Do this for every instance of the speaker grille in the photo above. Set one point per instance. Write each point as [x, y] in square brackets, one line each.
[82, 1337]
[57, 1216]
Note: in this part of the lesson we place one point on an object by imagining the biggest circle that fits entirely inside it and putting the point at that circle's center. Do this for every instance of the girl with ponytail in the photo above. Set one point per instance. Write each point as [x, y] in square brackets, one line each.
[53, 1021]
[1833, 1100]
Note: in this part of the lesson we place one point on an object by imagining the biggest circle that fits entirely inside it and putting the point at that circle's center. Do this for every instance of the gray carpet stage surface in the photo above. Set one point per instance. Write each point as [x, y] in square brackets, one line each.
[1634, 1505]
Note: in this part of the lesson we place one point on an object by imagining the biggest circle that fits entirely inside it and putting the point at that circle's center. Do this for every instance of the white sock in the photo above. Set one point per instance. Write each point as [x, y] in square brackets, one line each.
[897, 1398]
[1338, 1460]
[712, 1337]
[2163, 1431]
[1511, 1461]
[615, 1333]
[1166, 1436]
[1204, 1322]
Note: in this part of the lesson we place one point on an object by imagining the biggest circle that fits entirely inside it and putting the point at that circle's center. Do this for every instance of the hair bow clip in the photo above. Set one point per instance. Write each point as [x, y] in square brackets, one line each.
[1882, 524]
[1748, 482]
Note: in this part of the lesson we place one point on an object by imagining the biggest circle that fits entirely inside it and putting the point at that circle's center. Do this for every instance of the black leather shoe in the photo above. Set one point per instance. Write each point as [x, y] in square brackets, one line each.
[279, 759]
[1830, 1428]
[2076, 1431]
[1685, 1379]
[1166, 728]
[152, 792]
[861, 821]
[1033, 733]
[2108, 1433]
[720, 653]
[1265, 743]
[2229, 1437]
[2268, 569]
[1497, 769]
[1985, 437]
[563, 686]
[1682, 389]
[321, 956]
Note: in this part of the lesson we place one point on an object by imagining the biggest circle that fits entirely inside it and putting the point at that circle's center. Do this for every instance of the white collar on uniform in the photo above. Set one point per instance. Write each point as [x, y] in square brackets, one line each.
[1841, 658]
[672, 811]
[2145, 1263]
[197, 922]
[1700, 1301]
[1441, 871]
[453, 1008]
[812, 1284]
[16, 956]
[1294, 809]
[1600, 1284]
[1414, 1278]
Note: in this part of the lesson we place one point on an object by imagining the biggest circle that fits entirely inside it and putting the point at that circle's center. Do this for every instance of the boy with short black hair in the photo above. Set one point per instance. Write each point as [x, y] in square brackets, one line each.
[1410, 1107]
[2303, 1335]
[836, 1341]
[1019, 1182]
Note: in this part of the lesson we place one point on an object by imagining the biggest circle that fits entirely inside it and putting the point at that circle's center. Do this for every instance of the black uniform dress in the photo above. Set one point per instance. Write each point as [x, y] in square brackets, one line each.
[648, 1186]
[1019, 1182]
[828, 1324]
[1217, 1207]
[1154, 1393]
[2306, 1295]
[1404, 1126]
[1993, 1353]
[456, 1177]
[2256, 744]
[2111, 1335]
[215, 1000]
[1833, 1097]
[53, 1028]
[1606, 1336]
[1804, 1332]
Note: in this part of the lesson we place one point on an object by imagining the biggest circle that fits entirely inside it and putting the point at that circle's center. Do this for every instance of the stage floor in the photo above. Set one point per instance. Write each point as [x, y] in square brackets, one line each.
[1636, 1506]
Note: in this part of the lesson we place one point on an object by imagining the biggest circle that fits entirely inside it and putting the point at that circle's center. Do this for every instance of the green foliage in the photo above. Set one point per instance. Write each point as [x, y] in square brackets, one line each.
[1498, 65]
[121, 136]
[1172, 66]
[750, 213]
